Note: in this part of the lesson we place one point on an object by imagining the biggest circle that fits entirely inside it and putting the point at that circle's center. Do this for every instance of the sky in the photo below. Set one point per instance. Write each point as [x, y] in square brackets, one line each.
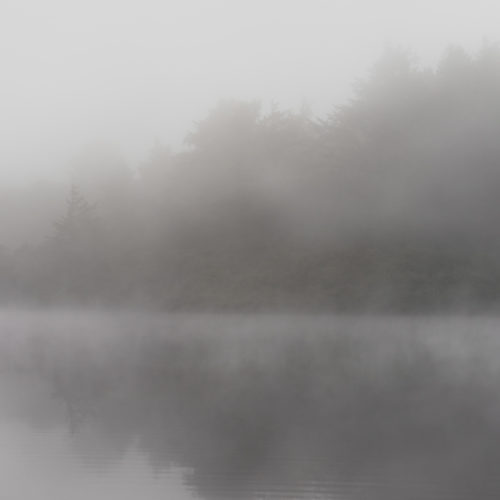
[133, 73]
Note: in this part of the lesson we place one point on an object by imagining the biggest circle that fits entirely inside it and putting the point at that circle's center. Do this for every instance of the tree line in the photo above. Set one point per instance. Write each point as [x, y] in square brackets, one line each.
[388, 203]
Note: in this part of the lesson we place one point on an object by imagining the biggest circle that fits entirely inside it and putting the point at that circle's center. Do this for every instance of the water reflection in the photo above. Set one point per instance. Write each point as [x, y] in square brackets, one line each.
[268, 406]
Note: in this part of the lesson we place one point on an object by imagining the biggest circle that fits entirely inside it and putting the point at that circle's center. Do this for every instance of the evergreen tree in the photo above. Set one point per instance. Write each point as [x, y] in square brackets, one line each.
[79, 223]
[75, 251]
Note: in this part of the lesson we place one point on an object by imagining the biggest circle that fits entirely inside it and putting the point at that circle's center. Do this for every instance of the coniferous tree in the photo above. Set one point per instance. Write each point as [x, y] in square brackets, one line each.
[79, 222]
[75, 250]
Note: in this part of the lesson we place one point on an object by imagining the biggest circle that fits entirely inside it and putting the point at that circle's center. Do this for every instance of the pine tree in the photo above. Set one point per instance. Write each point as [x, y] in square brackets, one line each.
[79, 224]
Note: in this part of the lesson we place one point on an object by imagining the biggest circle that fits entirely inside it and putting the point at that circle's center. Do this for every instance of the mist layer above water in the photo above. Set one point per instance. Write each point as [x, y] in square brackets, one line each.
[245, 406]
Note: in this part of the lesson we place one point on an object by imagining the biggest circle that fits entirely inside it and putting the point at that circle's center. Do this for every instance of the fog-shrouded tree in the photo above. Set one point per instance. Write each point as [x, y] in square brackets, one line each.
[78, 224]
[388, 203]
[74, 252]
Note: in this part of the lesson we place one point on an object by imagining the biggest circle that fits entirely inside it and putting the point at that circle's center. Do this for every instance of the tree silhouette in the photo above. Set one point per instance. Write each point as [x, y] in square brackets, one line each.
[74, 253]
[79, 222]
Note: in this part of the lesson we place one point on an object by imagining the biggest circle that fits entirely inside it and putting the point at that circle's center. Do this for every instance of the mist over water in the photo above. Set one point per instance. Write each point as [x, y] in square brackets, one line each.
[247, 406]
[249, 251]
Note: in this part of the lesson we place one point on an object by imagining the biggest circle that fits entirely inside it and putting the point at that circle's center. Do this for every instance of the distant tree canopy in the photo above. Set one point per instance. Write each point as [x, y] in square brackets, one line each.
[388, 203]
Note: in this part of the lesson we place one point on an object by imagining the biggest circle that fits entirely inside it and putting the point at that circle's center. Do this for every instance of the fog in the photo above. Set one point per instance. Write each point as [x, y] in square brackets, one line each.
[240, 406]
[387, 203]
[249, 250]
[133, 73]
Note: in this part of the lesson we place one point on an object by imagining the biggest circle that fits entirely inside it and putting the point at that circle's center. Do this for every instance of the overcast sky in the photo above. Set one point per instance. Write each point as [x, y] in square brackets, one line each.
[133, 72]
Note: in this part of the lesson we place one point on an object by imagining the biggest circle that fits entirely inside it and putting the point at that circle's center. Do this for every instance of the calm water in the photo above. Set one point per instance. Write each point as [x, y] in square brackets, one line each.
[102, 406]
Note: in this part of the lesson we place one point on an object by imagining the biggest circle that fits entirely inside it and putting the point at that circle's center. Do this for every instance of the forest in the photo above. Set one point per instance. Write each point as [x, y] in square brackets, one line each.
[390, 203]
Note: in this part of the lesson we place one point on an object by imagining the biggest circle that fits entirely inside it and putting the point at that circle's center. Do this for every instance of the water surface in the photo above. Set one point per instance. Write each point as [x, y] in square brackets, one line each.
[122, 406]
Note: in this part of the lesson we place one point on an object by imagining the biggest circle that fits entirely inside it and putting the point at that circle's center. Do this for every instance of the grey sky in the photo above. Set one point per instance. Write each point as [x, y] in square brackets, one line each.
[133, 72]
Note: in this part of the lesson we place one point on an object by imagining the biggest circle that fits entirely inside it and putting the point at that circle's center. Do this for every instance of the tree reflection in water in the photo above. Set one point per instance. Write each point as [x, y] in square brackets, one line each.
[272, 406]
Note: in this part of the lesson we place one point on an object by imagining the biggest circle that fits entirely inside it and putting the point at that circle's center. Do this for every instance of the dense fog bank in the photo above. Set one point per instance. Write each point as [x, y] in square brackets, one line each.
[389, 204]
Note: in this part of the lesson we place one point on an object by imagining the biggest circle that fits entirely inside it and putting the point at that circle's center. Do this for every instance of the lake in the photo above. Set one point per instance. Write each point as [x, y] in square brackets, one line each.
[98, 405]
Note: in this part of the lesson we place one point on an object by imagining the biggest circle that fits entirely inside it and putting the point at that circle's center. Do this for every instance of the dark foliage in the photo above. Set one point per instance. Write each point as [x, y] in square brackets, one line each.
[390, 203]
